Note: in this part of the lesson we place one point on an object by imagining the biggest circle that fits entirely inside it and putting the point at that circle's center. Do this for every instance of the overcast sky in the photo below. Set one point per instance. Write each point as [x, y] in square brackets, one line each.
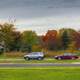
[41, 15]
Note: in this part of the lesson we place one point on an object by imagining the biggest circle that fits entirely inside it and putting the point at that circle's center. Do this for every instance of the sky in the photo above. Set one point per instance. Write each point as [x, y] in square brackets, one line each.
[41, 15]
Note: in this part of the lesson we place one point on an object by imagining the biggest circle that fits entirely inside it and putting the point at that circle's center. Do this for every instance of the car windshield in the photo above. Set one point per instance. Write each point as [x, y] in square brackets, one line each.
[68, 54]
[35, 53]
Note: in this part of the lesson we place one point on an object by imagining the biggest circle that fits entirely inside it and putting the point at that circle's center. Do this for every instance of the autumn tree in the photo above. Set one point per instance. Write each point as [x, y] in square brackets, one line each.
[49, 40]
[70, 41]
[77, 40]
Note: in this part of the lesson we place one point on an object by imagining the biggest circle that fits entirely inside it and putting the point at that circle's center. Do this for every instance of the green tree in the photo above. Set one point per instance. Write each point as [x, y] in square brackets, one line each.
[16, 45]
[6, 35]
[29, 38]
[71, 36]
[65, 40]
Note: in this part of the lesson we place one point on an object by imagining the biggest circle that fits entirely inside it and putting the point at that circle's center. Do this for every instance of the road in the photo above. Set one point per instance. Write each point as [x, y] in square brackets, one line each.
[37, 65]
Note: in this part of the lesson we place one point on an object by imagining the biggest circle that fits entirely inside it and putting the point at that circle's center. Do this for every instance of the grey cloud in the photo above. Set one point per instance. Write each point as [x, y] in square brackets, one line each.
[38, 8]
[38, 3]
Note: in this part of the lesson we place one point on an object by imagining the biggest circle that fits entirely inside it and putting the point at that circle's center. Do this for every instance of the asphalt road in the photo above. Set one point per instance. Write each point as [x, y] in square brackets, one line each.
[37, 65]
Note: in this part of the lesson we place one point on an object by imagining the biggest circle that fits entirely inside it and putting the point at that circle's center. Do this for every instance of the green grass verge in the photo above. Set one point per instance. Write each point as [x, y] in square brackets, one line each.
[39, 73]
[10, 60]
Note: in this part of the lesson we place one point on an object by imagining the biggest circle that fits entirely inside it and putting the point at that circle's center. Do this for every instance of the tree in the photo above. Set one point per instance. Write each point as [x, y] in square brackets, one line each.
[29, 38]
[50, 40]
[6, 34]
[65, 40]
[16, 45]
[71, 36]
[77, 40]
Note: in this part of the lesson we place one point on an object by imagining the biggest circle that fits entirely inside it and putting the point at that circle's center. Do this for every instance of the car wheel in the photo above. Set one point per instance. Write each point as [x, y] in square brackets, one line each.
[39, 58]
[27, 58]
[59, 58]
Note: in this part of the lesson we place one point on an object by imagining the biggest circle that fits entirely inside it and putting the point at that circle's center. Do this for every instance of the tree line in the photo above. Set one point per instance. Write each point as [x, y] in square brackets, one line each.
[13, 40]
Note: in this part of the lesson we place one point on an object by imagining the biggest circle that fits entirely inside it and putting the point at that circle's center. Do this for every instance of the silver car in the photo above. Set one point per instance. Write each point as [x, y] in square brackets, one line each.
[34, 55]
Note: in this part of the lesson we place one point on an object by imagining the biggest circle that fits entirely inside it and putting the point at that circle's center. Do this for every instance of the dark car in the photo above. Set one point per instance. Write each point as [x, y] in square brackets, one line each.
[34, 55]
[66, 56]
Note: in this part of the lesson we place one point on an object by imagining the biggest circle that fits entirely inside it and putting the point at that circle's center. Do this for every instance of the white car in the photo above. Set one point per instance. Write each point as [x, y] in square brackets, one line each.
[34, 55]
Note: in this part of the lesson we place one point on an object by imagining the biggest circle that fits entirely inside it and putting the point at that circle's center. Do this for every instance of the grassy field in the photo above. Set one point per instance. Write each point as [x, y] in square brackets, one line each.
[49, 73]
[46, 60]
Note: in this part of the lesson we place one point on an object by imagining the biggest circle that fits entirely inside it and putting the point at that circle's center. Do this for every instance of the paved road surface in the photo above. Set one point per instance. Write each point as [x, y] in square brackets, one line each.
[36, 65]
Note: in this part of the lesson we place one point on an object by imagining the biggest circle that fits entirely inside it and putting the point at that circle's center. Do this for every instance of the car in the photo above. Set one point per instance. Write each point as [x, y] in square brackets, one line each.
[66, 56]
[34, 55]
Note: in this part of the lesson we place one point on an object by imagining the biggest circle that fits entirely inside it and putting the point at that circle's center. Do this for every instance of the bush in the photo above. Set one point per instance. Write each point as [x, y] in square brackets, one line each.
[1, 50]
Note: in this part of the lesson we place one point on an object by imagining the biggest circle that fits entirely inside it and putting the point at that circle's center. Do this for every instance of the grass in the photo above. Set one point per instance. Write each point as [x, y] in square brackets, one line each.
[46, 73]
[46, 60]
